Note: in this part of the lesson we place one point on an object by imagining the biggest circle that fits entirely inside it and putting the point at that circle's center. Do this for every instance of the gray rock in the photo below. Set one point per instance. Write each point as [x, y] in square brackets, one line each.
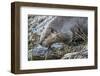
[57, 45]
[39, 51]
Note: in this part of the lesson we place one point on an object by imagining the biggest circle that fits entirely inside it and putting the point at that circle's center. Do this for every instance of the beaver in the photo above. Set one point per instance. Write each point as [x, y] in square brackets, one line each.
[64, 29]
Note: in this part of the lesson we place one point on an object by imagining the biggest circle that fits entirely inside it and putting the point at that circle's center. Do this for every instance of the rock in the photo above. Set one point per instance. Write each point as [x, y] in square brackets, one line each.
[39, 51]
[57, 45]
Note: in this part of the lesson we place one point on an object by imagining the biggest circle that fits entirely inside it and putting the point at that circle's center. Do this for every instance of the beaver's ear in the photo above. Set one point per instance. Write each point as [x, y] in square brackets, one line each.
[53, 31]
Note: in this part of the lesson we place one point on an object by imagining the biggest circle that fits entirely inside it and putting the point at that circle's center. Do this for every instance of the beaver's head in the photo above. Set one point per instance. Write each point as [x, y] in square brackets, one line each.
[50, 39]
[53, 38]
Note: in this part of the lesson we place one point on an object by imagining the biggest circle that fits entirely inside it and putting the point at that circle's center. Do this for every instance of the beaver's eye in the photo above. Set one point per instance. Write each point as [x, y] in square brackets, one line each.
[55, 38]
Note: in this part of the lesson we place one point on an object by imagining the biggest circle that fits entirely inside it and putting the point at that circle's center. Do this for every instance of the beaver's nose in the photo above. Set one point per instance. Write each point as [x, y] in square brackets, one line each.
[40, 43]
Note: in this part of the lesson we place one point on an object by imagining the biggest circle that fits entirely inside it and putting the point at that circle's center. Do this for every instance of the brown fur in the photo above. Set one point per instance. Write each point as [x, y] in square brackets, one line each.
[52, 38]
